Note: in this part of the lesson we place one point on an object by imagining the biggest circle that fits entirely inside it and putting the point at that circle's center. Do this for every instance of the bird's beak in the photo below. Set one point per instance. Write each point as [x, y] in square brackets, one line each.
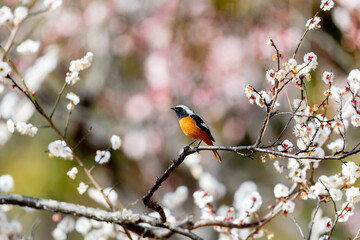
[173, 109]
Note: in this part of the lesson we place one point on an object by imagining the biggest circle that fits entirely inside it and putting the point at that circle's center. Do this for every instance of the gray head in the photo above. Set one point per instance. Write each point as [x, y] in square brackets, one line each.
[182, 111]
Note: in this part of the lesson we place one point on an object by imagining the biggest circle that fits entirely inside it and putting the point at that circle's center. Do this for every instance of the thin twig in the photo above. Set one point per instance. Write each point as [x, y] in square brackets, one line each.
[58, 99]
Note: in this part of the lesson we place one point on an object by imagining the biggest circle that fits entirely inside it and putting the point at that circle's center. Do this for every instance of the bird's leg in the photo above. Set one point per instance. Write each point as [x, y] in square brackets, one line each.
[196, 149]
[188, 146]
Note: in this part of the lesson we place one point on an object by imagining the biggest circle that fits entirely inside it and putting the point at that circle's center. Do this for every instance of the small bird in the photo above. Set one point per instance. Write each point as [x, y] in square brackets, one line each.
[194, 127]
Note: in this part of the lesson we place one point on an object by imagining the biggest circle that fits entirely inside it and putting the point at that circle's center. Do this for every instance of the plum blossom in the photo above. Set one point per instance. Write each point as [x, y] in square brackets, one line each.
[285, 146]
[310, 59]
[82, 188]
[59, 148]
[172, 200]
[288, 207]
[270, 76]
[336, 145]
[52, 4]
[76, 66]
[26, 129]
[328, 77]
[347, 210]
[6, 15]
[355, 120]
[72, 173]
[202, 198]
[325, 224]
[28, 46]
[4, 70]
[253, 202]
[83, 225]
[280, 190]
[352, 195]
[20, 14]
[6, 183]
[115, 142]
[313, 23]
[74, 100]
[327, 5]
[102, 156]
[354, 80]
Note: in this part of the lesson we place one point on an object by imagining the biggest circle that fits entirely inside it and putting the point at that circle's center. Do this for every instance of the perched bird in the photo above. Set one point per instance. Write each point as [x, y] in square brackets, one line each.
[194, 127]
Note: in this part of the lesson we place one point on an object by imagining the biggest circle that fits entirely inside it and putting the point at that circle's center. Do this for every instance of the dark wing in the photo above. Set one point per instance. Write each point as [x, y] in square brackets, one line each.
[200, 123]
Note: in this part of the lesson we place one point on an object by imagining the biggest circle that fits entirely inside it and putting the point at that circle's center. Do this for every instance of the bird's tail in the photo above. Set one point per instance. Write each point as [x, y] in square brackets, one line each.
[209, 142]
[217, 155]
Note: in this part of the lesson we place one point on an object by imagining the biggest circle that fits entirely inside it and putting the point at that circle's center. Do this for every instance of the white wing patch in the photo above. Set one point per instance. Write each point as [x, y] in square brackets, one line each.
[204, 125]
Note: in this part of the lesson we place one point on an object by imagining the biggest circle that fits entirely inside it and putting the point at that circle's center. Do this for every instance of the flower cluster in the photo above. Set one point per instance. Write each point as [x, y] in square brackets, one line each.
[9, 229]
[22, 127]
[7, 17]
[76, 66]
[262, 98]
[88, 228]
[172, 200]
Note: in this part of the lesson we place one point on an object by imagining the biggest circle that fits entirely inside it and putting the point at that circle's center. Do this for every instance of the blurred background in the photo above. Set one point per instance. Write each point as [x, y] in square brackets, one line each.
[150, 56]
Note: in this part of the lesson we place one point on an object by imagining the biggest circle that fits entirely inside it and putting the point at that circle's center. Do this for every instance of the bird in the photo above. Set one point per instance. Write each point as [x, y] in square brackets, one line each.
[194, 127]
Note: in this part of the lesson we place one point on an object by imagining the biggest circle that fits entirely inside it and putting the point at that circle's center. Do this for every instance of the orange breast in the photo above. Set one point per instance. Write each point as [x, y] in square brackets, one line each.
[189, 127]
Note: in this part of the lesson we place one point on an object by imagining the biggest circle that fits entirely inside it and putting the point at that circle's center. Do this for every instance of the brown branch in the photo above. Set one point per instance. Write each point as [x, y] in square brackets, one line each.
[146, 198]
[127, 217]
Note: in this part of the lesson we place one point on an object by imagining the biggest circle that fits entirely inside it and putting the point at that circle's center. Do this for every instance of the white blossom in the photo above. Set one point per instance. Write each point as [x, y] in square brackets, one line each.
[67, 224]
[74, 100]
[352, 195]
[354, 80]
[115, 142]
[280, 190]
[172, 200]
[202, 198]
[72, 173]
[288, 206]
[351, 170]
[253, 202]
[10, 125]
[336, 145]
[20, 14]
[285, 146]
[6, 183]
[26, 129]
[326, 5]
[82, 188]
[210, 184]
[52, 4]
[336, 194]
[328, 77]
[4, 70]
[28, 46]
[59, 148]
[72, 78]
[58, 234]
[355, 120]
[313, 23]
[346, 211]
[6, 15]
[83, 225]
[102, 156]
[310, 60]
